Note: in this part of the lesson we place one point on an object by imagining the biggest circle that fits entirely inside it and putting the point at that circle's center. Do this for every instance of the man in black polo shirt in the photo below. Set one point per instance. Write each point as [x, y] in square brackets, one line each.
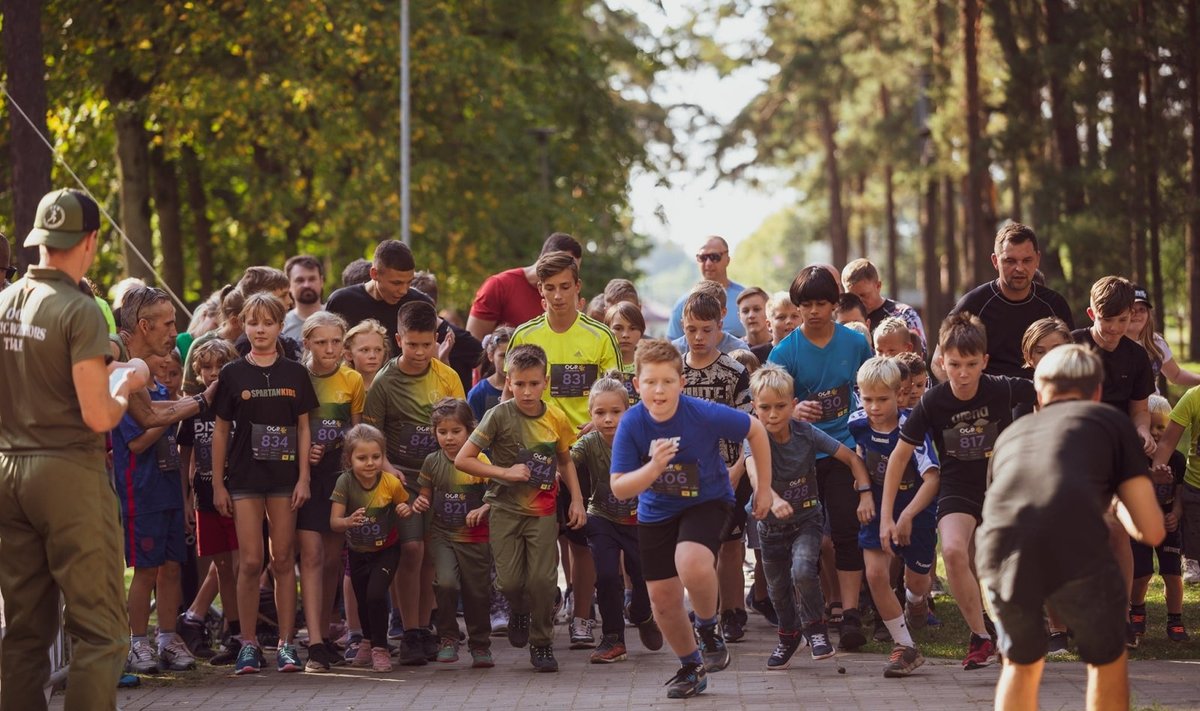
[1044, 537]
[380, 298]
[1007, 305]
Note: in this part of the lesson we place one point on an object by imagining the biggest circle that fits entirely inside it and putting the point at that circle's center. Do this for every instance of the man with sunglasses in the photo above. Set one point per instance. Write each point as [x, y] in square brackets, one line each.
[713, 259]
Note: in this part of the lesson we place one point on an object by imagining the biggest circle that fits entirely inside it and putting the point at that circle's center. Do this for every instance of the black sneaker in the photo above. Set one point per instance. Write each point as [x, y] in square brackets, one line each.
[337, 657]
[518, 629]
[429, 643]
[412, 650]
[852, 636]
[763, 607]
[318, 659]
[542, 658]
[881, 633]
[733, 625]
[712, 647]
[228, 654]
[691, 679]
[650, 635]
[1137, 619]
[1056, 644]
[782, 656]
[818, 639]
[1131, 636]
[195, 636]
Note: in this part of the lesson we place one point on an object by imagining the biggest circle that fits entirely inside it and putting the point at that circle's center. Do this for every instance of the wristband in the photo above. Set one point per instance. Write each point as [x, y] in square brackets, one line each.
[863, 490]
[202, 404]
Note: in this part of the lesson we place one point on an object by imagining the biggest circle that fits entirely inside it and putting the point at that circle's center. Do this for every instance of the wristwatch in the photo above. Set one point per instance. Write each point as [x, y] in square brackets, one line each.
[862, 489]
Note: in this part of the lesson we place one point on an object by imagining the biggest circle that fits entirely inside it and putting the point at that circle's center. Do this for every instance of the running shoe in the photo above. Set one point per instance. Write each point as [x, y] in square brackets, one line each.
[980, 653]
[781, 657]
[228, 653]
[542, 658]
[852, 636]
[691, 679]
[286, 659]
[611, 649]
[249, 661]
[175, 656]
[733, 625]
[1056, 644]
[362, 654]
[381, 660]
[141, 658]
[482, 659]
[818, 641]
[583, 635]
[448, 651]
[763, 607]
[396, 626]
[712, 647]
[650, 635]
[1137, 619]
[412, 649]
[518, 629]
[917, 614]
[318, 659]
[902, 661]
[1176, 632]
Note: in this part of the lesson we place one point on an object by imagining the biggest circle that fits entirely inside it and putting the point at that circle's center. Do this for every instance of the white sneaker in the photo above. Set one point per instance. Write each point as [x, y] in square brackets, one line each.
[175, 656]
[141, 658]
[499, 623]
[1191, 571]
[563, 614]
[582, 632]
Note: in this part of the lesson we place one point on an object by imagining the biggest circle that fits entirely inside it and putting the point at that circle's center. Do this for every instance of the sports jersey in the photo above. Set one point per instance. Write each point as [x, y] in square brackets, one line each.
[1006, 322]
[513, 437]
[725, 382]
[453, 495]
[827, 375]
[794, 469]
[148, 482]
[265, 405]
[964, 432]
[379, 505]
[875, 448]
[197, 432]
[593, 459]
[341, 395]
[483, 397]
[575, 359]
[1186, 414]
[697, 473]
[400, 404]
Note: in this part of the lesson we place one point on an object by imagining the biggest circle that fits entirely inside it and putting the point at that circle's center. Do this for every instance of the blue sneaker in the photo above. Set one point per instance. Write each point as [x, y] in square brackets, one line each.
[396, 627]
[352, 647]
[249, 661]
[286, 659]
[687, 682]
[712, 648]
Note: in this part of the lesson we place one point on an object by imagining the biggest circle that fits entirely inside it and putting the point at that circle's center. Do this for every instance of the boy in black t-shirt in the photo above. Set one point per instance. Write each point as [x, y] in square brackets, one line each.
[964, 416]
[1128, 377]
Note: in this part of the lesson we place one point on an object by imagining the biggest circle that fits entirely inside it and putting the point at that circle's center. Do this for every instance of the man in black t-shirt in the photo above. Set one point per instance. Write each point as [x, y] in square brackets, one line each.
[380, 298]
[1128, 377]
[1044, 538]
[1008, 305]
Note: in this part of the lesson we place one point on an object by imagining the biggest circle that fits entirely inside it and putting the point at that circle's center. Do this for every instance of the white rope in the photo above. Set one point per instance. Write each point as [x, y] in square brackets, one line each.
[125, 238]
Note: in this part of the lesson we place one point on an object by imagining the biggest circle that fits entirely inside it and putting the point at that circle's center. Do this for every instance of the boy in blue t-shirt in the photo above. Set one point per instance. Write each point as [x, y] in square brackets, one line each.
[667, 453]
[791, 534]
[150, 486]
[913, 534]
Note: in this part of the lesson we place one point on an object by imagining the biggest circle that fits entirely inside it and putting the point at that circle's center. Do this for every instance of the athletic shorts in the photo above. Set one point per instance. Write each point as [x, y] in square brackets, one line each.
[152, 539]
[415, 527]
[1170, 560]
[1094, 608]
[563, 505]
[314, 514]
[735, 527]
[920, 553]
[959, 495]
[215, 534]
[701, 524]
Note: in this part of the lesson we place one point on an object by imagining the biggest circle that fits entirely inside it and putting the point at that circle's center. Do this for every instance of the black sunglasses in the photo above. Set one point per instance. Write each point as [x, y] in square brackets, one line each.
[713, 257]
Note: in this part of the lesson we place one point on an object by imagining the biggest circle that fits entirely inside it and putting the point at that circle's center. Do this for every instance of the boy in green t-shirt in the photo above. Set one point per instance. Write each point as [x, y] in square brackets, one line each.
[530, 442]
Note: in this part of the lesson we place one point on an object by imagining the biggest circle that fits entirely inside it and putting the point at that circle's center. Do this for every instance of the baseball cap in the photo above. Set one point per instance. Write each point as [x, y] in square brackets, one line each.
[1140, 295]
[64, 217]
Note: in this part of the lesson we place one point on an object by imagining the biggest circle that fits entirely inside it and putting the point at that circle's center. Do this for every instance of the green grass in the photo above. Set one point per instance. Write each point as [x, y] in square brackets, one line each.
[950, 640]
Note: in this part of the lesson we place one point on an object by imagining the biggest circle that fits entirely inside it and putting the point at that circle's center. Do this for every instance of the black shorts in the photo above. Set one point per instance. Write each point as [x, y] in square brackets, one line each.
[1094, 607]
[1170, 560]
[314, 514]
[961, 495]
[701, 524]
[735, 526]
[563, 506]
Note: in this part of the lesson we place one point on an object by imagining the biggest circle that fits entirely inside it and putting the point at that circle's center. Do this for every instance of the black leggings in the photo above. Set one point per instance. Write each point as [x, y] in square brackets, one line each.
[371, 575]
[840, 500]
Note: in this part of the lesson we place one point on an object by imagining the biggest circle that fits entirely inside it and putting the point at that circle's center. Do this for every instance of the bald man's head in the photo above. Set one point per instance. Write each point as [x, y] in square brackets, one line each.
[714, 260]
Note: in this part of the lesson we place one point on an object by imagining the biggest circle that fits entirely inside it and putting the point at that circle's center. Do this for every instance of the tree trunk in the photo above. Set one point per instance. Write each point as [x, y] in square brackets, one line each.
[1059, 53]
[1014, 184]
[863, 224]
[1149, 70]
[931, 275]
[839, 244]
[170, 228]
[976, 160]
[134, 171]
[201, 227]
[1193, 238]
[889, 193]
[1123, 154]
[952, 276]
[31, 160]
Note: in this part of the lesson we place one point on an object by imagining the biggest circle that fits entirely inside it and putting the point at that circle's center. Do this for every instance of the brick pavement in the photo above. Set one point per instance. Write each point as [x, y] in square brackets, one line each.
[940, 685]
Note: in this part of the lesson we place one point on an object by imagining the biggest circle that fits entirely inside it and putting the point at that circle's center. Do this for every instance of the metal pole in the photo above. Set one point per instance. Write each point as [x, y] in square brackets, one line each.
[405, 130]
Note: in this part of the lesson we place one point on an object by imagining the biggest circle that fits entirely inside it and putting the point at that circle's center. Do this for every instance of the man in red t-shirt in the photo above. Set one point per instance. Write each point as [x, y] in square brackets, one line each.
[511, 297]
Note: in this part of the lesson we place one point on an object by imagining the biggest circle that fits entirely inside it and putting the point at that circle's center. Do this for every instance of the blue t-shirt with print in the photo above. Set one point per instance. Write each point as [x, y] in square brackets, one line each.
[875, 447]
[697, 473]
[827, 375]
[148, 482]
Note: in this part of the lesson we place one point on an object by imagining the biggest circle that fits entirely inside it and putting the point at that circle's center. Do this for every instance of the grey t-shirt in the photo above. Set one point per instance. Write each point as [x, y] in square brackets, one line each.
[794, 470]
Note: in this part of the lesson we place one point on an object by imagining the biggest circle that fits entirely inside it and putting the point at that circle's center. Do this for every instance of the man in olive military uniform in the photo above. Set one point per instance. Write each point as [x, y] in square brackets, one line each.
[59, 524]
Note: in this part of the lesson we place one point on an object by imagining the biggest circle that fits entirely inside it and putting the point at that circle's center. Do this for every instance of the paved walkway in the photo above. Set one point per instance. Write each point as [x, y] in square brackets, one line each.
[941, 685]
